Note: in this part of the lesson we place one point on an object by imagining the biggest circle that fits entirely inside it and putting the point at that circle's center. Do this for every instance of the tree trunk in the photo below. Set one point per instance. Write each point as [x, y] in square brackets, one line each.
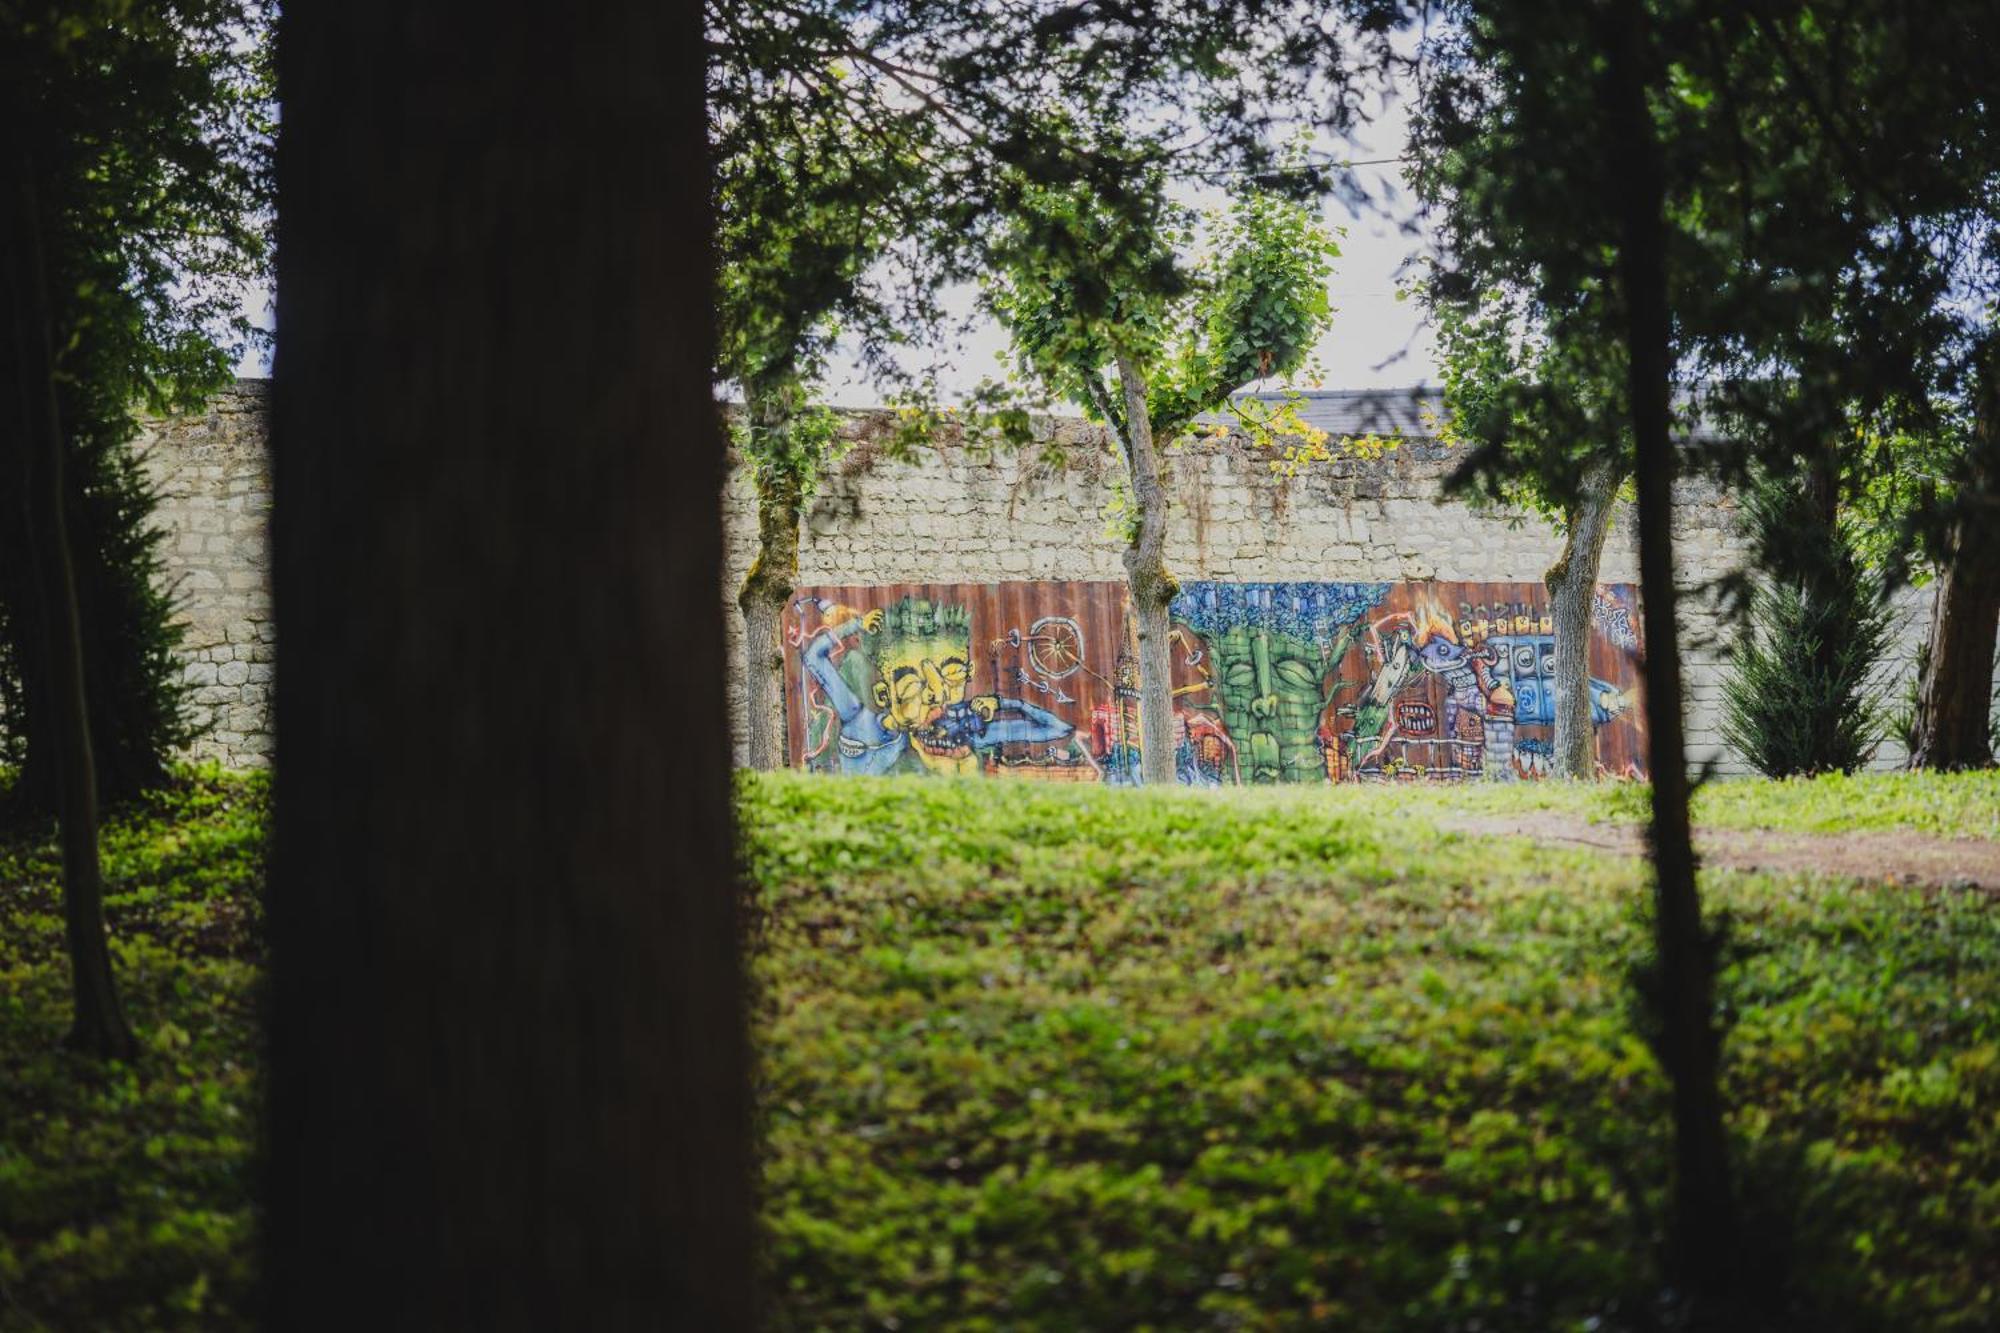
[1702, 1228]
[763, 672]
[98, 1027]
[1151, 586]
[766, 592]
[508, 1060]
[1955, 697]
[1572, 583]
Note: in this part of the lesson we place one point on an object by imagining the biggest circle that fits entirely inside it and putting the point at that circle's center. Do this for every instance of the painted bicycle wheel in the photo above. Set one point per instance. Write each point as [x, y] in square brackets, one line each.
[1055, 646]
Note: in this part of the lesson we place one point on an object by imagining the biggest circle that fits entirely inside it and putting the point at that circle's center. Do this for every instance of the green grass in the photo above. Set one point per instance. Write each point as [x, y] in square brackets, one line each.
[1071, 1059]
[1959, 805]
[125, 1191]
[1078, 1059]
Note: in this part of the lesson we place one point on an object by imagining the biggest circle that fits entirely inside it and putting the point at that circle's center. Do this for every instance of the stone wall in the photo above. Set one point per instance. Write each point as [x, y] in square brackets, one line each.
[957, 515]
[953, 515]
[212, 473]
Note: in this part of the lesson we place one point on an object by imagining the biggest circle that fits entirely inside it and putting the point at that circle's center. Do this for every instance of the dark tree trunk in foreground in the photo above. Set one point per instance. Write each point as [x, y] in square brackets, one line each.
[36, 446]
[1955, 697]
[508, 1081]
[1702, 1229]
[1572, 584]
[1151, 586]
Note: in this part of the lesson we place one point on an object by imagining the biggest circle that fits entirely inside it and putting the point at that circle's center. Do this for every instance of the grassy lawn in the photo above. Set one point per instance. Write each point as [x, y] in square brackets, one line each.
[1955, 805]
[125, 1192]
[1040, 1058]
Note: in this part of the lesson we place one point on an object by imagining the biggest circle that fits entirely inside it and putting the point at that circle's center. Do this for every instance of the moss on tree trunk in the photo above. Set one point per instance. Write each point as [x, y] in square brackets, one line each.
[1572, 584]
[1151, 586]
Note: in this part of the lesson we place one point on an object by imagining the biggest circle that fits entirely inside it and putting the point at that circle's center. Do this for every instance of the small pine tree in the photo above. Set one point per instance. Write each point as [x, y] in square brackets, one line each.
[132, 678]
[141, 141]
[1799, 699]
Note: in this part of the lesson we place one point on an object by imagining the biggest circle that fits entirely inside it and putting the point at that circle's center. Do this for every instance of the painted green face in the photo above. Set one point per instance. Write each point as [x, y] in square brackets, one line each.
[1271, 699]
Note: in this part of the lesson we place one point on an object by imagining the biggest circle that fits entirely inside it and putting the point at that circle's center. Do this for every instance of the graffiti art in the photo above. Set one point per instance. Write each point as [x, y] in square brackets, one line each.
[1272, 682]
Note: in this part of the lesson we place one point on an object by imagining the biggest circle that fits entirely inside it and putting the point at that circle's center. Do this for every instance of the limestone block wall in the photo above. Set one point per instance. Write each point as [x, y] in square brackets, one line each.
[212, 474]
[952, 514]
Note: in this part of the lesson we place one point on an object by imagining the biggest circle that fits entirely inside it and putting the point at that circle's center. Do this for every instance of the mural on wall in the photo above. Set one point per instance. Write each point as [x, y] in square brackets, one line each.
[1273, 682]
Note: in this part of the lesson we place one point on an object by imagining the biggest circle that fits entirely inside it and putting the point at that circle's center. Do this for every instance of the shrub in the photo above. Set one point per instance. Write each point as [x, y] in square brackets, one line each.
[1799, 699]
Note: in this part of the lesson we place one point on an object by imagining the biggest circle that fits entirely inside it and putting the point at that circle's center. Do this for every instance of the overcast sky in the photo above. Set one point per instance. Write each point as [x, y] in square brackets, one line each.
[1375, 341]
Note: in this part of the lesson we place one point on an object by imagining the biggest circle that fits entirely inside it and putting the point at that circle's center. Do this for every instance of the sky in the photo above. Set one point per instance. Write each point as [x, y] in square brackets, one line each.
[1375, 341]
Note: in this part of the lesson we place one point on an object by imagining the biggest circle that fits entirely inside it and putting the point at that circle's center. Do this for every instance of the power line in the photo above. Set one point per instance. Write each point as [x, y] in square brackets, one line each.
[1343, 165]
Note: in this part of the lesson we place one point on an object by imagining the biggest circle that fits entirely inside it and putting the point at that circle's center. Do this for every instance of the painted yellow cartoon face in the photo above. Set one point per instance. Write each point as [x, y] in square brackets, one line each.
[915, 683]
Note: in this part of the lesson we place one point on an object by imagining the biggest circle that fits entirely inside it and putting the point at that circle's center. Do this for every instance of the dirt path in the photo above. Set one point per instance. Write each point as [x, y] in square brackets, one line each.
[1894, 856]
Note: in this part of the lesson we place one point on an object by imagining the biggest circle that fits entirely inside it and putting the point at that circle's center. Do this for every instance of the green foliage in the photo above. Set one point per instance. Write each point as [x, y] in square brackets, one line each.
[1800, 697]
[1067, 1059]
[1949, 805]
[1538, 394]
[146, 132]
[1083, 290]
[125, 1189]
[788, 442]
[1042, 1058]
[870, 155]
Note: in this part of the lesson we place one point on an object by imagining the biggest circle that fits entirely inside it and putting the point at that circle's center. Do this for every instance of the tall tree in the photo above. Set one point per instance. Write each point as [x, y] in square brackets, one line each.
[1113, 316]
[1535, 397]
[508, 1060]
[146, 128]
[870, 155]
[1954, 696]
[1802, 219]
[807, 213]
[33, 458]
[1508, 87]
[1837, 226]
[1704, 1235]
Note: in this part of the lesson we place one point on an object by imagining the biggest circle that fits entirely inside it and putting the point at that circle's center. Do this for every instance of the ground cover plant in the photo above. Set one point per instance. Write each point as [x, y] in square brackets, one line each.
[1037, 1058]
[125, 1189]
[1946, 805]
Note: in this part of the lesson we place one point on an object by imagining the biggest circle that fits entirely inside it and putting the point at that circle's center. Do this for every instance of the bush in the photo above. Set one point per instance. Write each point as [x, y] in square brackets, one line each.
[133, 676]
[1800, 696]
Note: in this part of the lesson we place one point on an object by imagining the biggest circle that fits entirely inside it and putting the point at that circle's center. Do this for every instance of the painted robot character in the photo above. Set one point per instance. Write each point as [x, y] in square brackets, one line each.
[920, 718]
[1443, 655]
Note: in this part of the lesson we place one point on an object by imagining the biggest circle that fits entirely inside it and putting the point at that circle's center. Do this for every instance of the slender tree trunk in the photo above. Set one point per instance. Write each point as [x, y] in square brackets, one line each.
[1152, 587]
[1955, 697]
[508, 1060]
[766, 592]
[98, 1026]
[1702, 1230]
[1572, 583]
[764, 665]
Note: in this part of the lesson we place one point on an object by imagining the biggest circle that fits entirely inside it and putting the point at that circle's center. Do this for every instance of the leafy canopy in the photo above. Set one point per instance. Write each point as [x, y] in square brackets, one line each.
[1541, 406]
[1085, 291]
[872, 154]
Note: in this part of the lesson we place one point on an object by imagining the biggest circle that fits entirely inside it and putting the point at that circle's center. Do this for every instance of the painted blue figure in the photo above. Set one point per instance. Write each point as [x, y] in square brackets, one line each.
[869, 742]
[1527, 663]
[1442, 657]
